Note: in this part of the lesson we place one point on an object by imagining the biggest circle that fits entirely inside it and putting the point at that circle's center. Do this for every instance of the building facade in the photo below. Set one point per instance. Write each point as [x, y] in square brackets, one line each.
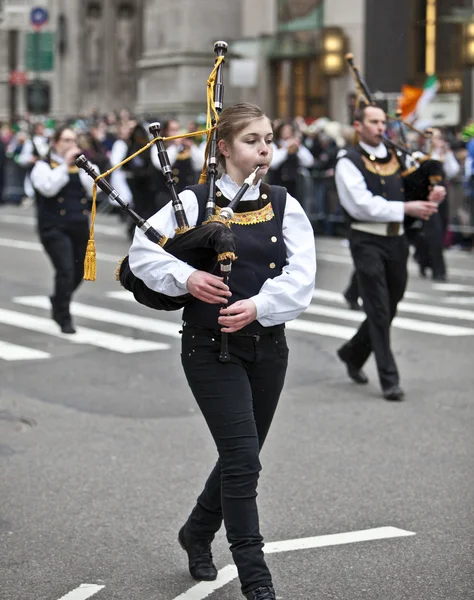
[154, 56]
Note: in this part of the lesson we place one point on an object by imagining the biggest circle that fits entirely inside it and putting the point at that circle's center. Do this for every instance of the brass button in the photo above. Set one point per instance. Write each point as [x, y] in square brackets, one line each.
[62, 212]
[274, 238]
[176, 179]
[85, 212]
[264, 196]
[60, 200]
[175, 171]
[272, 265]
[218, 194]
[83, 200]
[402, 190]
[372, 157]
[382, 181]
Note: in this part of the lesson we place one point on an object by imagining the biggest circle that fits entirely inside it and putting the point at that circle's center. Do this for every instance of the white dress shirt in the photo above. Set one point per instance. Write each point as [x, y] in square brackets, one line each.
[280, 299]
[118, 178]
[305, 158]
[49, 182]
[357, 199]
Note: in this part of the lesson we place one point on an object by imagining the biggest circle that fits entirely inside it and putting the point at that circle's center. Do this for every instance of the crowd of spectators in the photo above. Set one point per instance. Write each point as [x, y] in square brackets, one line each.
[305, 156]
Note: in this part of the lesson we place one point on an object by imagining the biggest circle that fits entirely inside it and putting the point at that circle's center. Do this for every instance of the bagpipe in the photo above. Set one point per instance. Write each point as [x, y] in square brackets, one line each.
[418, 170]
[205, 246]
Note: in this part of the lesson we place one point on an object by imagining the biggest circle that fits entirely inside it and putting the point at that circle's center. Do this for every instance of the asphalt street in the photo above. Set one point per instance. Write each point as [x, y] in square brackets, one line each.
[103, 450]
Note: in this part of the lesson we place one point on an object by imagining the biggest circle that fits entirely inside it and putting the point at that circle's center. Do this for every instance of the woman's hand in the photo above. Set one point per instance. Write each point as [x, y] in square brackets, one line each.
[208, 288]
[237, 316]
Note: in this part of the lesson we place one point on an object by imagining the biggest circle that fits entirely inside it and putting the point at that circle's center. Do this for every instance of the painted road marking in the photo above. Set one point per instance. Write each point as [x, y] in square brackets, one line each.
[106, 315]
[84, 591]
[112, 230]
[15, 352]
[399, 322]
[228, 573]
[84, 335]
[37, 247]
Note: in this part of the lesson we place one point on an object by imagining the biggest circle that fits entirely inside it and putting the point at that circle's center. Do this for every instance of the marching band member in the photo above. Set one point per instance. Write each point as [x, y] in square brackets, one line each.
[271, 282]
[63, 208]
[371, 191]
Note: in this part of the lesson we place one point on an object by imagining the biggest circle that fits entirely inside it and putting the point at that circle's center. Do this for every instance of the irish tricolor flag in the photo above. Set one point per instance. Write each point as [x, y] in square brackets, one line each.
[413, 99]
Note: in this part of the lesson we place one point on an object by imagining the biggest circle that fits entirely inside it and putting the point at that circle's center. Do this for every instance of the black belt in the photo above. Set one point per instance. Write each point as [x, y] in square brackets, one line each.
[266, 331]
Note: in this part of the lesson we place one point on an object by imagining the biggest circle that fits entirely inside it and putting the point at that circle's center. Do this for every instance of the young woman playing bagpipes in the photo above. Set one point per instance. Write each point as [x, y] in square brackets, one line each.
[271, 282]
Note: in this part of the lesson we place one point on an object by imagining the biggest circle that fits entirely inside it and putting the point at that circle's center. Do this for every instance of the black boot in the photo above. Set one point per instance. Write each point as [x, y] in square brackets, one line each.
[262, 593]
[201, 565]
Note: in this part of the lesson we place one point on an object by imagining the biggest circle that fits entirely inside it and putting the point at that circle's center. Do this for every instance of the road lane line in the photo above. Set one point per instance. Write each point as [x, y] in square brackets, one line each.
[107, 315]
[84, 591]
[317, 328]
[204, 589]
[84, 335]
[399, 322]
[112, 230]
[37, 247]
[16, 352]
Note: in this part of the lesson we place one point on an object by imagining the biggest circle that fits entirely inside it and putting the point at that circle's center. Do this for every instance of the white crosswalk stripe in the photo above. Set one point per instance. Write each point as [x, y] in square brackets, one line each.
[334, 321]
[84, 335]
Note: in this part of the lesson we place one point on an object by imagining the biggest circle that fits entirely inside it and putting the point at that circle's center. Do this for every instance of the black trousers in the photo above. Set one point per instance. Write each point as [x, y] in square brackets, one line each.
[352, 290]
[429, 246]
[238, 400]
[66, 246]
[381, 267]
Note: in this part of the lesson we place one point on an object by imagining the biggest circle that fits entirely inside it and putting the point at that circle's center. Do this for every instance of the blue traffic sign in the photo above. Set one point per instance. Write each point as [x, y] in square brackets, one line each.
[38, 16]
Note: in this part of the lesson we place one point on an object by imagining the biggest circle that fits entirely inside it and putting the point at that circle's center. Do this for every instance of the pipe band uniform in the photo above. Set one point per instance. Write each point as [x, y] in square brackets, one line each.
[239, 257]
[63, 206]
[382, 187]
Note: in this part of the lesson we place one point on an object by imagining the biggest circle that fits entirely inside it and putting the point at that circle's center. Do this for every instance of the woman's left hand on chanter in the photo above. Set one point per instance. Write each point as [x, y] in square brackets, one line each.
[238, 315]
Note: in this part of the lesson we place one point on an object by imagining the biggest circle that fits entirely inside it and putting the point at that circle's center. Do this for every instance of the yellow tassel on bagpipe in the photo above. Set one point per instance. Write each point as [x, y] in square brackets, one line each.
[90, 262]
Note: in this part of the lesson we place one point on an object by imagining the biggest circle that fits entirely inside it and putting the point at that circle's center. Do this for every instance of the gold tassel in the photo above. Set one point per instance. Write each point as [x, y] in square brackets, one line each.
[90, 262]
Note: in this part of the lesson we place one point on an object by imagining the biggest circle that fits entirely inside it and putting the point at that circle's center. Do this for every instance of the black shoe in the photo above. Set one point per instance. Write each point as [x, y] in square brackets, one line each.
[354, 373]
[67, 327]
[54, 314]
[394, 393]
[352, 304]
[442, 278]
[201, 565]
[262, 593]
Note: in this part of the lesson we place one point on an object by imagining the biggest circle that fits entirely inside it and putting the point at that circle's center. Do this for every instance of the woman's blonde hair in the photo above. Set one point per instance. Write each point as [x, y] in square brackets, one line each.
[232, 120]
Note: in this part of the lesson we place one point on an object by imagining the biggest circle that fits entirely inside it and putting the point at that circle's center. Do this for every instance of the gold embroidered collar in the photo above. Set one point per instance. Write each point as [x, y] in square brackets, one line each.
[254, 216]
[383, 169]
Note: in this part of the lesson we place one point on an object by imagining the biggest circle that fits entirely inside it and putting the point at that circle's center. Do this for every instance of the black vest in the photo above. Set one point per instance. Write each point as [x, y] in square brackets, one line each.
[71, 204]
[260, 250]
[382, 175]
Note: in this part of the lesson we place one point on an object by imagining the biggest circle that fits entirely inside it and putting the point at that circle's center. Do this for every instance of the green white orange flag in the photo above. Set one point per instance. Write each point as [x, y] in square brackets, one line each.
[413, 99]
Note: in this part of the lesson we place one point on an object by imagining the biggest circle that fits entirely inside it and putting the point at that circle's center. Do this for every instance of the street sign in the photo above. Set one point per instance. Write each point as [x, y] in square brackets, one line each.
[15, 15]
[17, 78]
[38, 16]
[39, 51]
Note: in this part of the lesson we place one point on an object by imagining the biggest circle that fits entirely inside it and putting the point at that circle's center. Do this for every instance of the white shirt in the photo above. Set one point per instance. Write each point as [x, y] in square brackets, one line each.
[305, 157]
[280, 299]
[354, 196]
[49, 182]
[118, 179]
[450, 165]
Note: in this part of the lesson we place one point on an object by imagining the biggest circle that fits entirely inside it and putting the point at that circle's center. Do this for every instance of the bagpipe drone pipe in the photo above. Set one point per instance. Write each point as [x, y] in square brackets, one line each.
[205, 246]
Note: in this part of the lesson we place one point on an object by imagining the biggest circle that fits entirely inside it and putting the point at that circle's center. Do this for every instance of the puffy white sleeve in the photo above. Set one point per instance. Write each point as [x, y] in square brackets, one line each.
[159, 270]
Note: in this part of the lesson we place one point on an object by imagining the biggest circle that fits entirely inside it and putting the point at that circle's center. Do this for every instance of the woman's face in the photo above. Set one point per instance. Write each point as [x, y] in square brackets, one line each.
[286, 132]
[251, 147]
[67, 140]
